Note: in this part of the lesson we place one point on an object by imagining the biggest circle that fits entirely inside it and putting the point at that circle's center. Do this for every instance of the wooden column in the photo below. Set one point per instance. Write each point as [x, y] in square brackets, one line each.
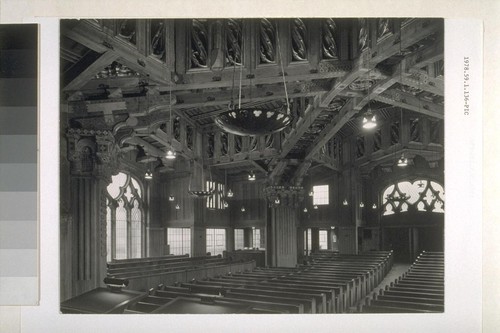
[284, 223]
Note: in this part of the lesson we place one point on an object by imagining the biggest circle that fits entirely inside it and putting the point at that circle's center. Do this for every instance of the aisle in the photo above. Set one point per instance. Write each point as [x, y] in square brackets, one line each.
[396, 271]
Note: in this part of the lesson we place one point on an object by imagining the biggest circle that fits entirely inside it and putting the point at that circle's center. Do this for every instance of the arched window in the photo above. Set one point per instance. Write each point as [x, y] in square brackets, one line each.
[125, 222]
[420, 195]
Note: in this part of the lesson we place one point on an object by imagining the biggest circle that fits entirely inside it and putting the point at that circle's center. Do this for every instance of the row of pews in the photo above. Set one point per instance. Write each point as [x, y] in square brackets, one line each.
[419, 290]
[326, 284]
[144, 272]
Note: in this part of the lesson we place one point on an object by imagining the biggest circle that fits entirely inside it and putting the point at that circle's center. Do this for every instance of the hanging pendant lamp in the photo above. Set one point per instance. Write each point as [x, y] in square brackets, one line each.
[202, 192]
[369, 119]
[255, 121]
[171, 154]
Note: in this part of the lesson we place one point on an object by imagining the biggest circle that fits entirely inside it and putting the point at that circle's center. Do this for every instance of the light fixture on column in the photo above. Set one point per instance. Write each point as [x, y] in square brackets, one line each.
[361, 204]
[403, 161]
[255, 121]
[374, 206]
[251, 176]
[305, 209]
[148, 175]
[171, 154]
[311, 193]
[177, 207]
[315, 207]
[243, 208]
[277, 200]
[229, 193]
[226, 204]
[345, 203]
[171, 198]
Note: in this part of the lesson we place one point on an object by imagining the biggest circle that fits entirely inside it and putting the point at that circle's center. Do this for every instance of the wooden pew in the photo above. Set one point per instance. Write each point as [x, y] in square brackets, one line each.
[420, 289]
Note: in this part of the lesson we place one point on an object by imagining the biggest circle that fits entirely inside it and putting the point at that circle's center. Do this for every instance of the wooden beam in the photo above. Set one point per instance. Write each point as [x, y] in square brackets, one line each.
[257, 166]
[311, 113]
[345, 114]
[300, 172]
[426, 83]
[90, 71]
[408, 101]
[168, 142]
[149, 148]
[411, 34]
[278, 169]
[327, 162]
[101, 41]
[264, 75]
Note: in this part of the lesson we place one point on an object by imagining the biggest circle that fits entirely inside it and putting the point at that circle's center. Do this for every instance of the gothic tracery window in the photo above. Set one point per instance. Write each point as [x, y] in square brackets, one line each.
[124, 218]
[420, 195]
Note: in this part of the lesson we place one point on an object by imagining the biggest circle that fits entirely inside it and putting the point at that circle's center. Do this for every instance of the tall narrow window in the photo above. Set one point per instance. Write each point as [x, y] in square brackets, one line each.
[323, 239]
[239, 239]
[179, 241]
[216, 200]
[125, 222]
[307, 241]
[256, 238]
[320, 195]
[216, 241]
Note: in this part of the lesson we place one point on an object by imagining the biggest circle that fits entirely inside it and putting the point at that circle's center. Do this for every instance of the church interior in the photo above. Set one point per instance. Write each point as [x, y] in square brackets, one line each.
[290, 165]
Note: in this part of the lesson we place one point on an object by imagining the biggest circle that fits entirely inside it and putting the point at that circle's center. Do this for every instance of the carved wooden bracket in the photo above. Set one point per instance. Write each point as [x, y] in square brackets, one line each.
[291, 196]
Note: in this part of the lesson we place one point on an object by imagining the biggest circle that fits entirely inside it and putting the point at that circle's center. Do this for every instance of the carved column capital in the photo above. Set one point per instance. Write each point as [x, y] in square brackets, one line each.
[291, 196]
[92, 152]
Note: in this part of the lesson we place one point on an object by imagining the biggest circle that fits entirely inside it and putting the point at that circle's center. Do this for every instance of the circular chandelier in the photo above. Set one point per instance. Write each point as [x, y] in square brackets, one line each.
[251, 122]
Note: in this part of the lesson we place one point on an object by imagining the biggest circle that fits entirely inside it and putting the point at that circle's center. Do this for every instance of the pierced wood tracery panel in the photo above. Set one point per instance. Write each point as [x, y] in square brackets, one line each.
[377, 140]
[267, 42]
[199, 43]
[363, 37]
[384, 28]
[415, 129]
[328, 40]
[127, 30]
[157, 39]
[299, 40]
[360, 146]
[234, 41]
[395, 132]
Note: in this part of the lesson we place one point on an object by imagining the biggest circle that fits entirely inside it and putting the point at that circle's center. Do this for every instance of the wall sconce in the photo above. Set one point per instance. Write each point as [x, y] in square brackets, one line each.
[171, 198]
[305, 209]
[374, 206]
[243, 208]
[345, 203]
[177, 207]
[315, 207]
[361, 204]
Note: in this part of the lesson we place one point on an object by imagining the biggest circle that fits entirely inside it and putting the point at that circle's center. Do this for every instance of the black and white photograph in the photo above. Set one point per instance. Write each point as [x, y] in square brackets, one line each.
[249, 166]
[252, 166]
